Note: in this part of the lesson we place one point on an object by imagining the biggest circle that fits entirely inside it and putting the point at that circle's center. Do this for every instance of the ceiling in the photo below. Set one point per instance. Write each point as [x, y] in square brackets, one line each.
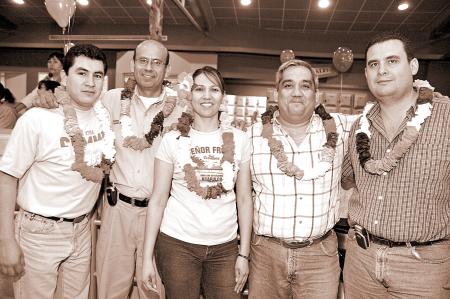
[344, 20]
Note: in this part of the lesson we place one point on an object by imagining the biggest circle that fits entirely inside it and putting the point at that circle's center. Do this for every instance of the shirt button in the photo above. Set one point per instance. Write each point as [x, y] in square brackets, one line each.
[375, 222]
[380, 197]
[388, 150]
[385, 173]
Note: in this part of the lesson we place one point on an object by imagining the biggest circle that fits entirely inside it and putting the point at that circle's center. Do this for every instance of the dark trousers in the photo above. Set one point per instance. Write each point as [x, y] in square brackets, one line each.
[187, 268]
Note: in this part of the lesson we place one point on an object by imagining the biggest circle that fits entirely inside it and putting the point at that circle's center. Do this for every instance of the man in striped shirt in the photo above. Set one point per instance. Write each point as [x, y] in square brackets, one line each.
[294, 250]
[401, 212]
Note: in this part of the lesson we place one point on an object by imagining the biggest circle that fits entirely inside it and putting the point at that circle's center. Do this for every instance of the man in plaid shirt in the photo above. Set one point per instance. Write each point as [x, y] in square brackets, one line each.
[294, 251]
[401, 214]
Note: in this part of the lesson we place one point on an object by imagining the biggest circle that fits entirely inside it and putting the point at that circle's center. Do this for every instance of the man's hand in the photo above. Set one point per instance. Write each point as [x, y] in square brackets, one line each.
[12, 262]
[45, 99]
[241, 273]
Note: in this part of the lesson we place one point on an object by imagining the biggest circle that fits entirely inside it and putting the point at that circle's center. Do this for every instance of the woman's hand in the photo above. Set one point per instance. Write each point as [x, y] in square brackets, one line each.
[241, 273]
[149, 274]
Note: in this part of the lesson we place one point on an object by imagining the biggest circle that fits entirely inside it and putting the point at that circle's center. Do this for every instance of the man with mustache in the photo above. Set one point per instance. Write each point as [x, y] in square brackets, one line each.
[47, 166]
[399, 157]
[135, 115]
[296, 161]
[121, 236]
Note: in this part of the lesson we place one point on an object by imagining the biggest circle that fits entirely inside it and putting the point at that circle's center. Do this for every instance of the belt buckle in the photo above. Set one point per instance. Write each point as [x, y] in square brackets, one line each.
[79, 218]
[297, 244]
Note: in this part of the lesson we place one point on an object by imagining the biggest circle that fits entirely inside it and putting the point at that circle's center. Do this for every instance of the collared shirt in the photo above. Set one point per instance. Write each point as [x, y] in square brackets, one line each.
[132, 173]
[286, 207]
[412, 201]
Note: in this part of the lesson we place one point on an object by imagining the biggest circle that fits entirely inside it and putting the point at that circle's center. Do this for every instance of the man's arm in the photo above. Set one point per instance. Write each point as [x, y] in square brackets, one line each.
[27, 101]
[347, 176]
[11, 257]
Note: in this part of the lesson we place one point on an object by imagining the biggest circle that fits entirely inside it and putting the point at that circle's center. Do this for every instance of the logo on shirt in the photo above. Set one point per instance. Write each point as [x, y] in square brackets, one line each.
[89, 137]
[208, 159]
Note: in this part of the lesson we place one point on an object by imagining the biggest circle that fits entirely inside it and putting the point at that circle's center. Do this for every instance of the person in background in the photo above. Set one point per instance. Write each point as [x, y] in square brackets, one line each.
[399, 160]
[8, 113]
[48, 85]
[192, 219]
[297, 154]
[55, 73]
[52, 167]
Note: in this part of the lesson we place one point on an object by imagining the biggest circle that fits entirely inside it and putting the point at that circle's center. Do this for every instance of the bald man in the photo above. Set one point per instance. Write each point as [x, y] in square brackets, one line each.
[121, 236]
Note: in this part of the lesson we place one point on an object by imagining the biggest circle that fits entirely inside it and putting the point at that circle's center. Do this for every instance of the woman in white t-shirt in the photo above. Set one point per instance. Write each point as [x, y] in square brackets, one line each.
[193, 214]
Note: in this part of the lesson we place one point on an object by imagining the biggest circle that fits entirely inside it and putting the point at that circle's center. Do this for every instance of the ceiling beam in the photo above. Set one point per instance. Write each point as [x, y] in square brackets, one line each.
[206, 12]
[110, 37]
[189, 16]
[439, 26]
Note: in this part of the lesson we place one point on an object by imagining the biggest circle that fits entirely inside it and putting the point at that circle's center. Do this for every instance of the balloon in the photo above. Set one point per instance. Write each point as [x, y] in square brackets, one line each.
[286, 55]
[61, 10]
[67, 47]
[342, 59]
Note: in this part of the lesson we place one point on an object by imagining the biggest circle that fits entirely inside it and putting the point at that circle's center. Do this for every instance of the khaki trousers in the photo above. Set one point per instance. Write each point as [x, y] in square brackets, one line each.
[119, 251]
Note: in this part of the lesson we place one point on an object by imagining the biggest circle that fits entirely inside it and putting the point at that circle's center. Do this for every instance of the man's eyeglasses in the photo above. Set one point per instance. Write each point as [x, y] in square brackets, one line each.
[156, 63]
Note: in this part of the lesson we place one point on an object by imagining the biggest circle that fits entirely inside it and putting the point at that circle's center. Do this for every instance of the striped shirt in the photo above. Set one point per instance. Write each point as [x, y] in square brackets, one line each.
[288, 208]
[412, 201]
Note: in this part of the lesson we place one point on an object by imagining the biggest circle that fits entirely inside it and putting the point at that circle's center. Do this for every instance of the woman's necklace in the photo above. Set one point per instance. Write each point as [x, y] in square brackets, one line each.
[186, 159]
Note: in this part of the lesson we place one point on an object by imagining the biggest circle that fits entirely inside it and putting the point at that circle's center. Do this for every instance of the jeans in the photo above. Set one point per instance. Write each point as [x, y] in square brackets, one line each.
[54, 251]
[308, 272]
[187, 268]
[397, 272]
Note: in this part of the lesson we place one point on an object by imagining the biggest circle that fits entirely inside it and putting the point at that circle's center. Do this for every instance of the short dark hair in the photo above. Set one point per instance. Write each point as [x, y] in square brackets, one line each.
[390, 35]
[87, 50]
[6, 94]
[49, 84]
[57, 55]
[2, 91]
[212, 74]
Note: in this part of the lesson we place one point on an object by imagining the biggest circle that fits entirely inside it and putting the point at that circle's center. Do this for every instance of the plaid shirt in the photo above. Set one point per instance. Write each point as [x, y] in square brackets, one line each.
[289, 208]
[412, 201]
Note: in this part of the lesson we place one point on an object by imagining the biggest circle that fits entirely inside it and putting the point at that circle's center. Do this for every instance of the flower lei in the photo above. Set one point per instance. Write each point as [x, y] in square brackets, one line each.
[156, 127]
[98, 164]
[410, 133]
[277, 149]
[186, 159]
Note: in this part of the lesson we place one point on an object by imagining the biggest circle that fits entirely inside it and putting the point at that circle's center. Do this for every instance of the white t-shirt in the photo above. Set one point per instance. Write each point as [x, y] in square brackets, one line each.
[187, 216]
[39, 153]
[148, 101]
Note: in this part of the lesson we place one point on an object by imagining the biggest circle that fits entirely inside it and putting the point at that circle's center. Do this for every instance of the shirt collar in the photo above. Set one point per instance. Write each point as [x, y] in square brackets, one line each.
[160, 98]
[375, 112]
[315, 122]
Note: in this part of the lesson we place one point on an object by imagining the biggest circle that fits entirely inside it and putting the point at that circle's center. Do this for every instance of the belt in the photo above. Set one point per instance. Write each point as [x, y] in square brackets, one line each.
[59, 219]
[389, 243]
[296, 244]
[141, 203]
